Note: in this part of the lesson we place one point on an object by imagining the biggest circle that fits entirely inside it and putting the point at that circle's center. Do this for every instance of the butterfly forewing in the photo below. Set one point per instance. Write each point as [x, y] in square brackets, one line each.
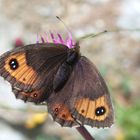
[31, 68]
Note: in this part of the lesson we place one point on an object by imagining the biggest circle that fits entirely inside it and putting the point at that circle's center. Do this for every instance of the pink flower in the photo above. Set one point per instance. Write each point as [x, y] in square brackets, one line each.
[57, 39]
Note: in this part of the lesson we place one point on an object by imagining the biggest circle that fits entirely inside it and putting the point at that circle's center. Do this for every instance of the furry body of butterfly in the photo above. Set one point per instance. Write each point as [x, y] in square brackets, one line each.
[71, 85]
[65, 70]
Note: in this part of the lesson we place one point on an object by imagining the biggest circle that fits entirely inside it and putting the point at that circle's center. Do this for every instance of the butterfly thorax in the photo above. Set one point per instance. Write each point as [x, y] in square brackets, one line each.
[72, 57]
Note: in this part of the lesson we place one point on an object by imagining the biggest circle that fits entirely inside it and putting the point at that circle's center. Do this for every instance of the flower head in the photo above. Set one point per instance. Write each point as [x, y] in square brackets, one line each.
[58, 39]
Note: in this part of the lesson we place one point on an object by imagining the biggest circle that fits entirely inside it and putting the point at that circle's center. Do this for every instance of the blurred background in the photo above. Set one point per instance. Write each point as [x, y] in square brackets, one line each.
[116, 54]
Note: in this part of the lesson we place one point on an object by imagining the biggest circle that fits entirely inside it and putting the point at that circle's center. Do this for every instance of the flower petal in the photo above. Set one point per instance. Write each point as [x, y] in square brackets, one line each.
[42, 39]
[52, 37]
[60, 38]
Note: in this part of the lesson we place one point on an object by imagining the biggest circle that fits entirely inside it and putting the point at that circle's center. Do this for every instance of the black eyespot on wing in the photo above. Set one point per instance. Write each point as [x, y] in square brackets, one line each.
[56, 110]
[100, 111]
[13, 63]
[35, 95]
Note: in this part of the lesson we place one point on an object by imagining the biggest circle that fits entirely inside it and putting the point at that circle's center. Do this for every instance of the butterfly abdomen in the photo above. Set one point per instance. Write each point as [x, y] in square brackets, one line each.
[65, 70]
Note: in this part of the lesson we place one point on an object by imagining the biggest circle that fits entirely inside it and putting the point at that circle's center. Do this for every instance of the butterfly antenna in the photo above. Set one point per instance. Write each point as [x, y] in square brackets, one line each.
[91, 35]
[67, 28]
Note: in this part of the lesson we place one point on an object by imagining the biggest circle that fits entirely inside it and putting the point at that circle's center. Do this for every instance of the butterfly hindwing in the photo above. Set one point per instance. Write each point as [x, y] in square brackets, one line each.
[93, 104]
[85, 95]
[36, 96]
[32, 67]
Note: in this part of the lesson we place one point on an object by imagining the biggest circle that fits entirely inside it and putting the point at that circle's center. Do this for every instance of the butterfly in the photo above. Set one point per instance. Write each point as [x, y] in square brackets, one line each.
[56, 73]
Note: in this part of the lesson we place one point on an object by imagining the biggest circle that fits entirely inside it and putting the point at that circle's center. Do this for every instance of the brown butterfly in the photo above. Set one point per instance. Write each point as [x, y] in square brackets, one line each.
[58, 74]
